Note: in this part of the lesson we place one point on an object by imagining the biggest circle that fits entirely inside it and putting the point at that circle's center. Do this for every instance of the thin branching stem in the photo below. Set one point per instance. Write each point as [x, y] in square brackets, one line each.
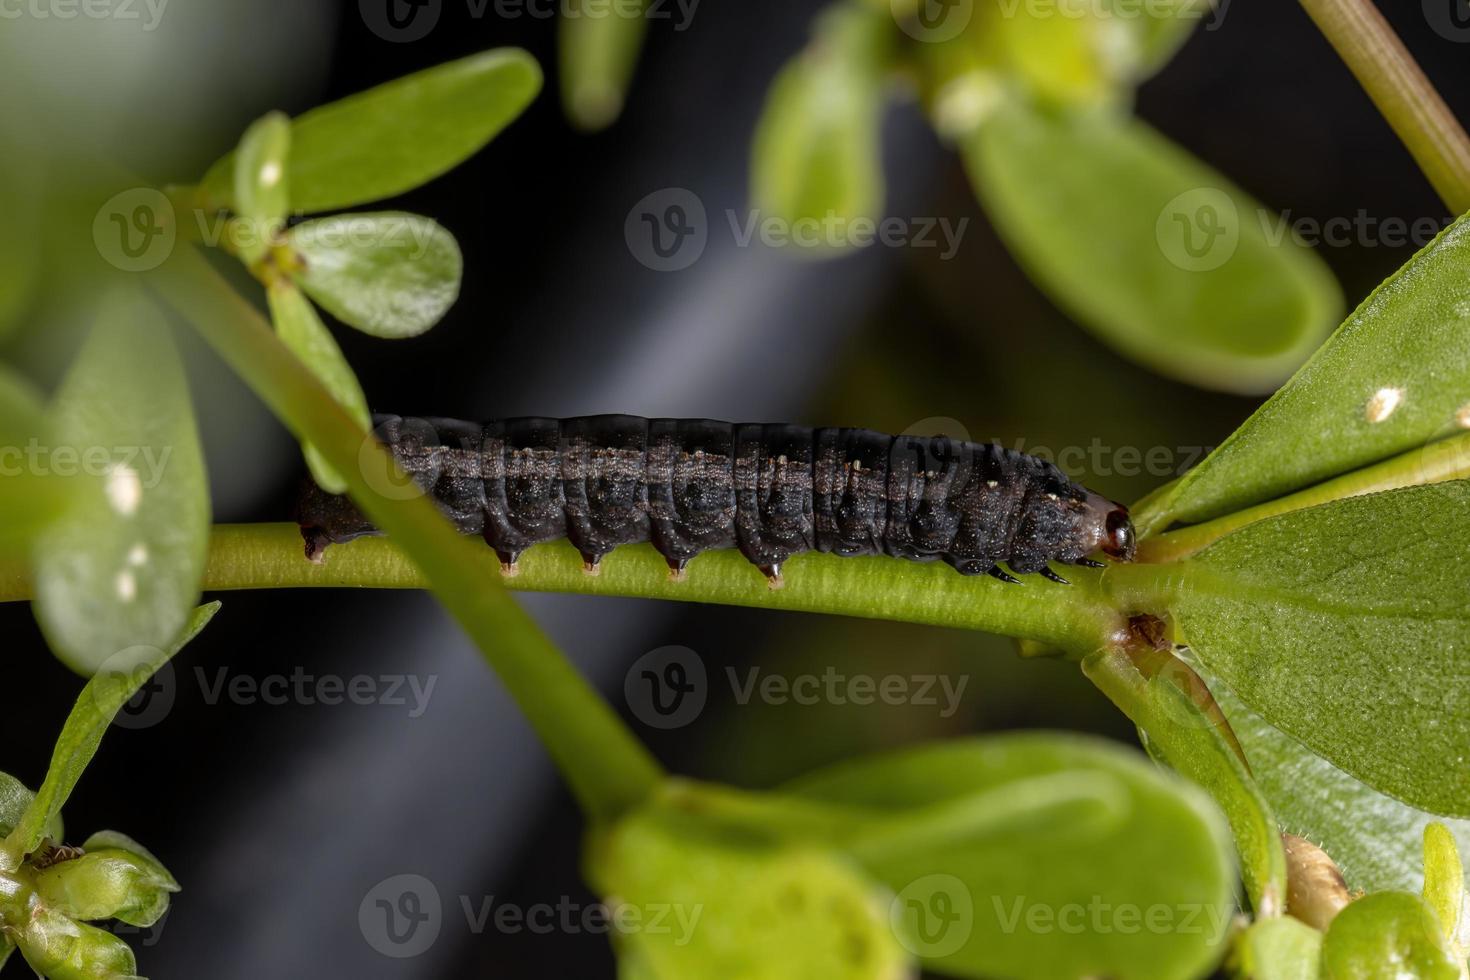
[1402, 93]
[1078, 617]
[1448, 459]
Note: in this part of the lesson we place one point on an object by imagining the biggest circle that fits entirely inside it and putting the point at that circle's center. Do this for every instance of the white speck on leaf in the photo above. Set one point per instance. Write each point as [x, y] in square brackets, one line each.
[127, 586]
[124, 489]
[1385, 402]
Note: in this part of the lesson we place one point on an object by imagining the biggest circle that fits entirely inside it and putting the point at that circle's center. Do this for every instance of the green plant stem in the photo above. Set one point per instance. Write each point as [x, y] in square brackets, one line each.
[1185, 728]
[609, 770]
[1402, 93]
[1076, 617]
[1448, 459]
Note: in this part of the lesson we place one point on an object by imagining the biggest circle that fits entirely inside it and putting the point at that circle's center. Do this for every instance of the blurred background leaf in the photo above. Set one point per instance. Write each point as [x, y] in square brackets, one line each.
[1393, 377]
[262, 186]
[816, 156]
[121, 568]
[597, 53]
[1161, 256]
[1169, 847]
[28, 499]
[738, 905]
[1071, 53]
[21, 195]
[399, 135]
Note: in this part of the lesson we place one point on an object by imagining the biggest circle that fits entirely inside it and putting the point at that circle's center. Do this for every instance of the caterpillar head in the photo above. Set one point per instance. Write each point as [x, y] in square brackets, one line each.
[1108, 527]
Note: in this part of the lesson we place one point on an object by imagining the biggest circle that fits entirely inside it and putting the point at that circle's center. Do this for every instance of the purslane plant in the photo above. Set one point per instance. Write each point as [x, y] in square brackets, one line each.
[1316, 622]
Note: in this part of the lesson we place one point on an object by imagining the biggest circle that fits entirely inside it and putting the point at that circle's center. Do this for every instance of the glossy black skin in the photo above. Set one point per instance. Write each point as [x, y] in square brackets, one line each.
[691, 485]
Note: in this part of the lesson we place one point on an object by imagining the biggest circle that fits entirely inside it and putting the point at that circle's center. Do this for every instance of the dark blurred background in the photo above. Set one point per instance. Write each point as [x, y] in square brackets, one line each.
[280, 819]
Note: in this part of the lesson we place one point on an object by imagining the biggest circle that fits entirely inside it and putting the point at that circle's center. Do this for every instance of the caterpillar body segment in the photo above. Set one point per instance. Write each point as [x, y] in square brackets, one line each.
[771, 490]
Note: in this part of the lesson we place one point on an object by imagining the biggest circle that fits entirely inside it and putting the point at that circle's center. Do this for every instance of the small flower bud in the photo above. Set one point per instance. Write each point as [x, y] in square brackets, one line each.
[1315, 889]
[60, 949]
[115, 879]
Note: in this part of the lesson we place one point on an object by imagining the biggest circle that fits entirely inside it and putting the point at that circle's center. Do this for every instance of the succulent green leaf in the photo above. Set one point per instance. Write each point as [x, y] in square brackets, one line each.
[15, 797]
[1044, 899]
[1278, 949]
[1182, 728]
[736, 904]
[116, 841]
[389, 274]
[108, 883]
[598, 46]
[1394, 376]
[1157, 254]
[1071, 53]
[121, 568]
[59, 948]
[302, 330]
[1386, 936]
[403, 133]
[262, 187]
[1375, 840]
[101, 699]
[1347, 619]
[1444, 878]
[817, 164]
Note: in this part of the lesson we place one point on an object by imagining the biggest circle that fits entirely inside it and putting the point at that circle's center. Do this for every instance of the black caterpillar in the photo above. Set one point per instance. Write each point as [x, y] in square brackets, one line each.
[690, 485]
